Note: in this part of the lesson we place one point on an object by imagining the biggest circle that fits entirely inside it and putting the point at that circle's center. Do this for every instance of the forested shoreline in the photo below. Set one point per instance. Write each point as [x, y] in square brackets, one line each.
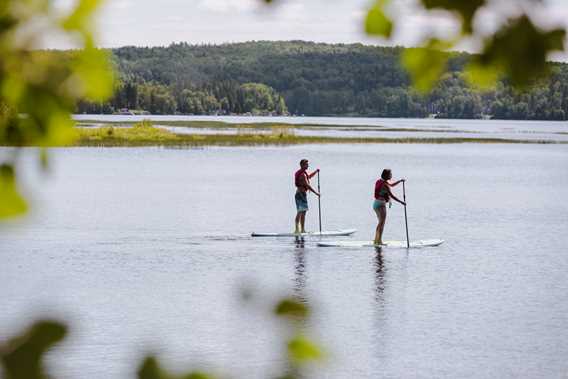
[312, 79]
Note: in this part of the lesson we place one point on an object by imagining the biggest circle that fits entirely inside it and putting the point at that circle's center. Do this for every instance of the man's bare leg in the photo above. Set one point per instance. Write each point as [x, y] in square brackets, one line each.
[297, 223]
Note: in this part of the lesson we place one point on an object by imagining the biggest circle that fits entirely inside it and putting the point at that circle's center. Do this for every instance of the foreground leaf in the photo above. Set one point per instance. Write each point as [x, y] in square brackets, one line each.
[80, 17]
[425, 65]
[291, 308]
[377, 22]
[302, 350]
[93, 74]
[482, 77]
[150, 369]
[465, 8]
[521, 49]
[22, 358]
[11, 202]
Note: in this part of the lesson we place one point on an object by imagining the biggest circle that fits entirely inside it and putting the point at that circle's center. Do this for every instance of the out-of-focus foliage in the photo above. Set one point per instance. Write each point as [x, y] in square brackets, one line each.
[11, 203]
[300, 349]
[303, 350]
[292, 309]
[22, 356]
[150, 369]
[425, 65]
[377, 22]
[466, 10]
[520, 49]
[517, 50]
[319, 79]
[39, 89]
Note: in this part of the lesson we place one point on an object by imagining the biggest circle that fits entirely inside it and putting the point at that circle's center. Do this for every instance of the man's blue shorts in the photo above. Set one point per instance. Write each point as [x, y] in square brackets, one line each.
[301, 201]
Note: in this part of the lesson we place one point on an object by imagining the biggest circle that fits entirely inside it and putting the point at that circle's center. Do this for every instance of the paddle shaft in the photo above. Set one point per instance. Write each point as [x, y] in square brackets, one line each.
[319, 201]
[405, 217]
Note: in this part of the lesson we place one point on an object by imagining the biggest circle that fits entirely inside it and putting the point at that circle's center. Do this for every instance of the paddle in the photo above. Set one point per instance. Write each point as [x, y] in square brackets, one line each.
[319, 201]
[405, 217]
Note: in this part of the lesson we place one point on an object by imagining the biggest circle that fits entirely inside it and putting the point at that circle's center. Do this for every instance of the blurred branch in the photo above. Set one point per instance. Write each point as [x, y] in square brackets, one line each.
[39, 89]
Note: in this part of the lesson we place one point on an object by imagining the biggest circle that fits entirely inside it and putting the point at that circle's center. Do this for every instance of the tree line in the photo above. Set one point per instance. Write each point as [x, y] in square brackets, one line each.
[220, 98]
[313, 79]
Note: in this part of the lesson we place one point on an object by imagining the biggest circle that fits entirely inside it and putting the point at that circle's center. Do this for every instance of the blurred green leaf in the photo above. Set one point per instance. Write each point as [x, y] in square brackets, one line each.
[150, 369]
[197, 375]
[521, 49]
[425, 65]
[11, 203]
[291, 308]
[60, 130]
[7, 21]
[39, 89]
[302, 350]
[12, 89]
[377, 22]
[465, 8]
[43, 158]
[482, 77]
[22, 357]
[79, 19]
[94, 74]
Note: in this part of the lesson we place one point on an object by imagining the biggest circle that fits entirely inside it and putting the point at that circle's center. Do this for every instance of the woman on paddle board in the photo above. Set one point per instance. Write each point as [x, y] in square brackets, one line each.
[302, 182]
[383, 196]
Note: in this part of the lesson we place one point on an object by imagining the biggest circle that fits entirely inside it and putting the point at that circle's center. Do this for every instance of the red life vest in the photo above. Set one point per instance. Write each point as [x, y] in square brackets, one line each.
[380, 192]
[297, 175]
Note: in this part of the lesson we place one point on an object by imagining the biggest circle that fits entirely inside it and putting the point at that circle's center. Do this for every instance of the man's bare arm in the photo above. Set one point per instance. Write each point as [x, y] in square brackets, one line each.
[313, 173]
[304, 183]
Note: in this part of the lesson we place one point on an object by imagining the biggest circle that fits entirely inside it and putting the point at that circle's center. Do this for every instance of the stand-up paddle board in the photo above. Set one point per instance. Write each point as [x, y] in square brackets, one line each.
[387, 244]
[329, 233]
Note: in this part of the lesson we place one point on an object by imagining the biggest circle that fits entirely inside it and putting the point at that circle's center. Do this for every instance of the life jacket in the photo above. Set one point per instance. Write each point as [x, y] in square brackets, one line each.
[381, 190]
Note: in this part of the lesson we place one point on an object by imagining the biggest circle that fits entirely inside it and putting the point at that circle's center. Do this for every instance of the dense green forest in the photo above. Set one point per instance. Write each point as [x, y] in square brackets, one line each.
[315, 79]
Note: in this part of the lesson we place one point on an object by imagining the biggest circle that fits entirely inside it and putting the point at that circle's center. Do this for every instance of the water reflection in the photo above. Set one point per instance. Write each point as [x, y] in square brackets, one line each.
[379, 276]
[380, 324]
[300, 270]
[300, 242]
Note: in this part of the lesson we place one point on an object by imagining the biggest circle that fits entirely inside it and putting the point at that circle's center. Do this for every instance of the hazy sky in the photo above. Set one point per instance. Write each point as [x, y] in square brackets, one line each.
[159, 23]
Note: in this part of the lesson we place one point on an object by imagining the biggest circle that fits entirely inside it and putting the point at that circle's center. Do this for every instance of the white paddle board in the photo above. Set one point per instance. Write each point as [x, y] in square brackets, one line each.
[387, 244]
[328, 233]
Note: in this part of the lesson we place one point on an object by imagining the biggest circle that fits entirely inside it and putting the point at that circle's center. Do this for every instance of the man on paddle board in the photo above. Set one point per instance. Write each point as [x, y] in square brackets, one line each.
[302, 182]
[383, 195]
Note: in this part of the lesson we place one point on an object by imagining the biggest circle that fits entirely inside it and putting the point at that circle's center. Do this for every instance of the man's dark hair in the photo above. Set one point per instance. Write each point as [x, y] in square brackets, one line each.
[303, 161]
[386, 175]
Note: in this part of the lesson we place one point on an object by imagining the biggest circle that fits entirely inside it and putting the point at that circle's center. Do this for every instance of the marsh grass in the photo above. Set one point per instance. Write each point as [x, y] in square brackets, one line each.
[243, 128]
[283, 131]
[145, 134]
[226, 125]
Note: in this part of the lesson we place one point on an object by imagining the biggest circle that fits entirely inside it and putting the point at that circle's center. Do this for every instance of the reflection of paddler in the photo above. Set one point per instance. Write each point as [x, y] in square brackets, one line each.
[383, 195]
[302, 182]
[300, 271]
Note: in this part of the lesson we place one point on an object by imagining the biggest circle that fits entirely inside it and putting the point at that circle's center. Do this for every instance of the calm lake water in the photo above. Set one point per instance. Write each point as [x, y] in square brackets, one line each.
[145, 249]
[375, 127]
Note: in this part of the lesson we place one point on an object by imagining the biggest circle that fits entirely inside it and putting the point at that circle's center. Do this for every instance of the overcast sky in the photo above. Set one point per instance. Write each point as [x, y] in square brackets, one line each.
[159, 23]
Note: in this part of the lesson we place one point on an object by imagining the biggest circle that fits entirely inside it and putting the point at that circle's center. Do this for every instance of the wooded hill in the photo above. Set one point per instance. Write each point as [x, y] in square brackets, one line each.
[315, 79]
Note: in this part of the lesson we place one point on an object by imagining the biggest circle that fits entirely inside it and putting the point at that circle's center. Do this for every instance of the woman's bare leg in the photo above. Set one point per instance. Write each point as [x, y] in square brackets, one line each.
[381, 216]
